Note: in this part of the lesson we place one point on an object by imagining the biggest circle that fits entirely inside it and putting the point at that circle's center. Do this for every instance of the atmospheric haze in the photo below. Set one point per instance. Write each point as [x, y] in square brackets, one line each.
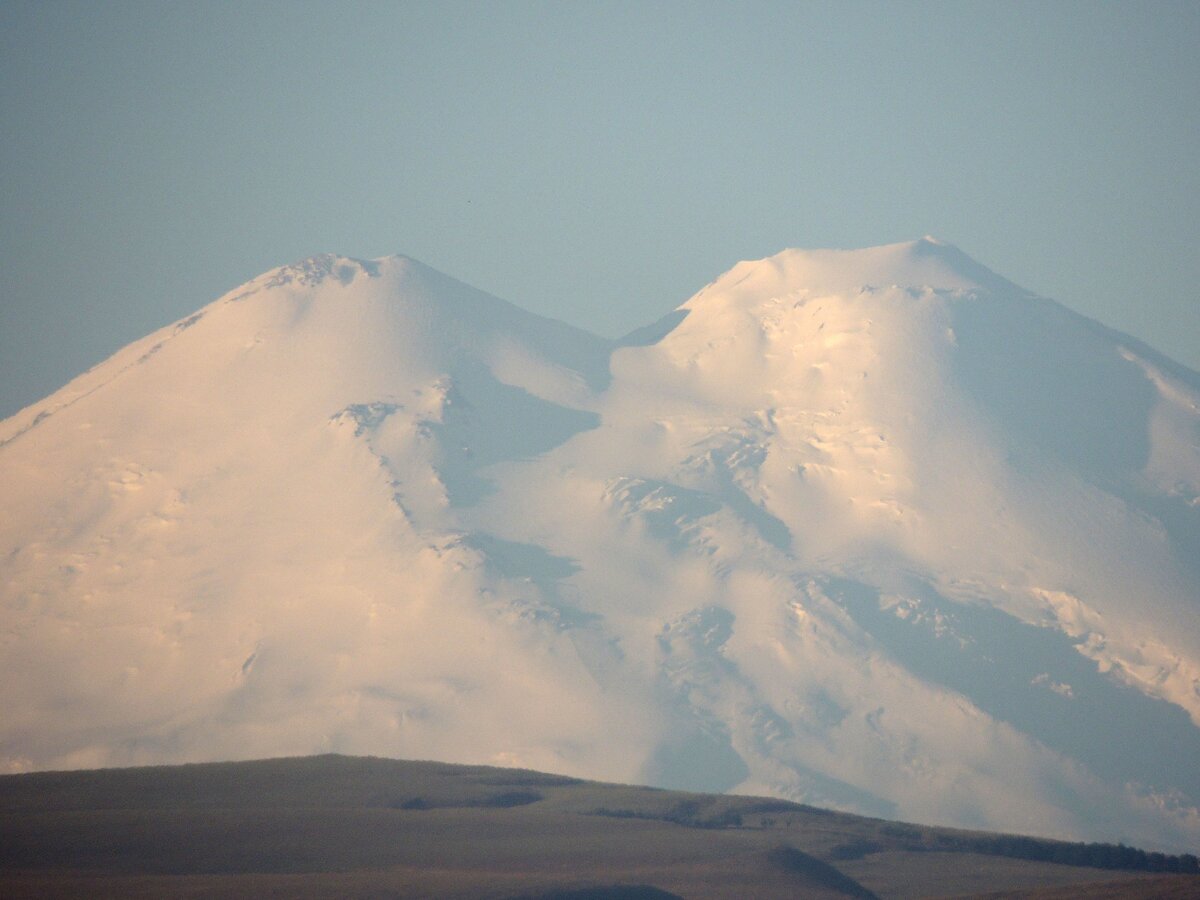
[875, 529]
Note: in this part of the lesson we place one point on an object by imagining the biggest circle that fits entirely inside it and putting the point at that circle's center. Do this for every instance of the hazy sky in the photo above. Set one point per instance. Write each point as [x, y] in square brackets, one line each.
[596, 162]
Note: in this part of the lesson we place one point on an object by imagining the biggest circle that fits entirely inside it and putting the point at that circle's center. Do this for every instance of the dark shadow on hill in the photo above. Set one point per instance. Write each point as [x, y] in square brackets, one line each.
[610, 892]
[502, 800]
[815, 872]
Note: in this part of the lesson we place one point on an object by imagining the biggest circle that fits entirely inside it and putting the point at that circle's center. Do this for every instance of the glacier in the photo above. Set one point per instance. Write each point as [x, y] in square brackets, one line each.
[871, 529]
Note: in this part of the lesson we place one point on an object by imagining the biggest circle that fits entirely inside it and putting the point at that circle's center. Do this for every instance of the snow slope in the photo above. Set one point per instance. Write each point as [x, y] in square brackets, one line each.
[873, 529]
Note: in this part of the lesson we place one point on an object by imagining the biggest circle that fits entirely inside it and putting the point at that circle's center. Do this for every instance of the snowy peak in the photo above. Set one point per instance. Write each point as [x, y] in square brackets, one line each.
[338, 329]
[807, 316]
[810, 327]
[872, 528]
[391, 291]
[925, 263]
[312, 271]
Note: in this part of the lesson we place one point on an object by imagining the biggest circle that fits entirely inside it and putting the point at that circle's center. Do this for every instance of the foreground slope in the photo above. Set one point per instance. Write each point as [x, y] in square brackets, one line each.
[873, 529]
[338, 826]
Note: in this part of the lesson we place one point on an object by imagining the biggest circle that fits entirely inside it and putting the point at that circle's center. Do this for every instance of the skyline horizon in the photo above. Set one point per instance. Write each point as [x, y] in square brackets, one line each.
[596, 163]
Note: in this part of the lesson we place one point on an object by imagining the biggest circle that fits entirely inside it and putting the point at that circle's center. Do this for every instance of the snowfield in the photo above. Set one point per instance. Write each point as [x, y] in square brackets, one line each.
[873, 529]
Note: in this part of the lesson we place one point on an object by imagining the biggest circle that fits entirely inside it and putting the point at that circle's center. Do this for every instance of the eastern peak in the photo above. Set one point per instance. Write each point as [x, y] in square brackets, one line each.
[924, 263]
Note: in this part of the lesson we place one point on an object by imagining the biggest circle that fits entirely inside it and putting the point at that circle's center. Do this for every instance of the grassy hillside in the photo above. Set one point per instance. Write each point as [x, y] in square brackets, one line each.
[343, 826]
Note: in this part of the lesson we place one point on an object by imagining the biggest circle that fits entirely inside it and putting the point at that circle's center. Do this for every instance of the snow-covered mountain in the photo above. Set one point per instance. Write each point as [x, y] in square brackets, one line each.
[872, 529]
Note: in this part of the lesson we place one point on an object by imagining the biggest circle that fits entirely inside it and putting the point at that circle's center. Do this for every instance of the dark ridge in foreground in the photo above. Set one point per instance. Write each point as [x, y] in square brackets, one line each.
[352, 826]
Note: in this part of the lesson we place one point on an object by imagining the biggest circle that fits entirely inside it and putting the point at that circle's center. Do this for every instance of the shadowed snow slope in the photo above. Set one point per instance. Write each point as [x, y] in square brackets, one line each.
[873, 529]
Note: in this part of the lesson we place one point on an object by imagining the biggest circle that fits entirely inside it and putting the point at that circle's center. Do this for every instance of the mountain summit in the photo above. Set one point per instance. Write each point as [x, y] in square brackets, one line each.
[927, 262]
[873, 529]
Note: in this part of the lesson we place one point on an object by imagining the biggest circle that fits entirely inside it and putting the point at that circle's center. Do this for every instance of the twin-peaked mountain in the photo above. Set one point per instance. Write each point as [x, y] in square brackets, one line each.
[870, 529]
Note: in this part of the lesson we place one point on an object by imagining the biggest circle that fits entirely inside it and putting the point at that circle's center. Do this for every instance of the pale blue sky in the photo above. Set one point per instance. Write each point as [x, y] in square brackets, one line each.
[596, 162]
